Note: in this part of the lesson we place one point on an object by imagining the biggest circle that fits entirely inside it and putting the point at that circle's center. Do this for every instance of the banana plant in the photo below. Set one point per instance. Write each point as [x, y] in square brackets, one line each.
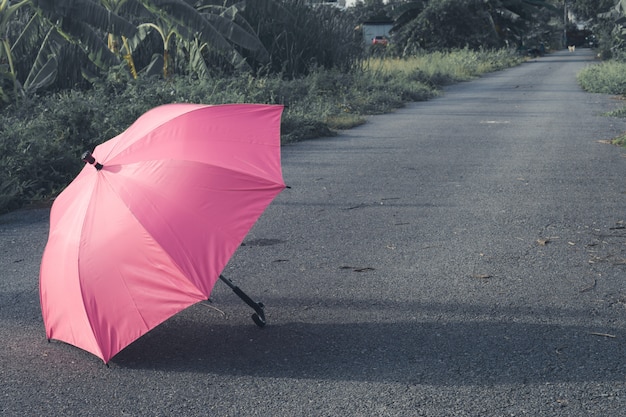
[8, 80]
[618, 14]
[228, 20]
[53, 27]
[218, 28]
[79, 21]
[41, 36]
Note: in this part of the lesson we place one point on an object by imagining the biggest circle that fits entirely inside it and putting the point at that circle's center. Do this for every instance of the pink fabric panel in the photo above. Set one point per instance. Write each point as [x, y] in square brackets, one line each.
[236, 136]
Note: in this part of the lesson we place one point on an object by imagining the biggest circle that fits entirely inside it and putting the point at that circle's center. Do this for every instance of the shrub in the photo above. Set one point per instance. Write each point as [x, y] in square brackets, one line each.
[607, 77]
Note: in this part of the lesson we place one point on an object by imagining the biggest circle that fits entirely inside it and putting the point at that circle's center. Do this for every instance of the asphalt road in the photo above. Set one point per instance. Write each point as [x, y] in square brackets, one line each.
[464, 256]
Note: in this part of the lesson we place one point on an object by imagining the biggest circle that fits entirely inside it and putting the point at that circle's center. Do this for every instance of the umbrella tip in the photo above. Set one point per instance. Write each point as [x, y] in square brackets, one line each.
[88, 158]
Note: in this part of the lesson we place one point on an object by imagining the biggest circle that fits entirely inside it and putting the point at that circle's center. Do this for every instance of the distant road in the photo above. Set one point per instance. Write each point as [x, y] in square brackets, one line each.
[464, 256]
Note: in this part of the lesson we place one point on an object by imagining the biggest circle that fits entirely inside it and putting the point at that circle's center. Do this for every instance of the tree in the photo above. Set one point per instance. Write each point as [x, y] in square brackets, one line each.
[438, 24]
[590, 9]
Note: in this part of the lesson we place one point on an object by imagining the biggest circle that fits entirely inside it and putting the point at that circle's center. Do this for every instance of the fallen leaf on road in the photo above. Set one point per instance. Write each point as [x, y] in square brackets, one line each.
[543, 242]
[357, 269]
[611, 336]
[481, 276]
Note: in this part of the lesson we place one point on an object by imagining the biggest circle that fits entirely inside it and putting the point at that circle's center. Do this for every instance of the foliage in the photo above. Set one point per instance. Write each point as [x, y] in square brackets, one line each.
[620, 140]
[199, 32]
[62, 44]
[441, 24]
[300, 38]
[54, 41]
[453, 23]
[589, 9]
[608, 23]
[446, 67]
[608, 77]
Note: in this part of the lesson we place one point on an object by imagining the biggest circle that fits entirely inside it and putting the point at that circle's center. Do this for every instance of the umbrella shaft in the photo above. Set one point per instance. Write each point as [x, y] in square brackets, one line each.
[258, 307]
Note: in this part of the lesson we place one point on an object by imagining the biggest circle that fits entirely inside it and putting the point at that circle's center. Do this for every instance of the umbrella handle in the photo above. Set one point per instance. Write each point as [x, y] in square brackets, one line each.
[259, 316]
[88, 158]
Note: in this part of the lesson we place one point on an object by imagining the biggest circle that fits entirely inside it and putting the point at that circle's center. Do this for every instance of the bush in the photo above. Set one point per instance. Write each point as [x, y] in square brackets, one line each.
[607, 77]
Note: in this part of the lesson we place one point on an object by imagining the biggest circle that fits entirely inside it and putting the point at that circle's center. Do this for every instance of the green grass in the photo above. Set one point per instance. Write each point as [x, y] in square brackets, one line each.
[608, 77]
[620, 140]
[442, 68]
[41, 138]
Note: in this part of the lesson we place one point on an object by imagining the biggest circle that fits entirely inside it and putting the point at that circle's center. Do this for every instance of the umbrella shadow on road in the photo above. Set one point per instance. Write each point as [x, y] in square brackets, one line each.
[411, 352]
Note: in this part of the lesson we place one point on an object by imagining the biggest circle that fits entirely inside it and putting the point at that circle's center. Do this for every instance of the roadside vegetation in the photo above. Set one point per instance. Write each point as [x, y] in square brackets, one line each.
[608, 77]
[75, 73]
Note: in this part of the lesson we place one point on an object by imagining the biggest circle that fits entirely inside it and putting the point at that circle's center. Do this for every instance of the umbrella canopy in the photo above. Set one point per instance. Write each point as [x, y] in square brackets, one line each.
[145, 231]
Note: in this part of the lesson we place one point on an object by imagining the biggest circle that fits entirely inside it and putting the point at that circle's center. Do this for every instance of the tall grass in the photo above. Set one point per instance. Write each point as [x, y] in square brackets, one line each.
[608, 77]
[445, 67]
[41, 139]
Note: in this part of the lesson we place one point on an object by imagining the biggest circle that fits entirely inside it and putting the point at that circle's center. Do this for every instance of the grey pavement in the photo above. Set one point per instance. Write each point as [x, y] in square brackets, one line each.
[464, 256]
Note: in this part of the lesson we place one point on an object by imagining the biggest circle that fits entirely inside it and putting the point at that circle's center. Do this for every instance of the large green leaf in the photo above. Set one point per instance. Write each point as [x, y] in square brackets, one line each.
[44, 77]
[182, 15]
[44, 70]
[90, 42]
[237, 34]
[30, 37]
[88, 12]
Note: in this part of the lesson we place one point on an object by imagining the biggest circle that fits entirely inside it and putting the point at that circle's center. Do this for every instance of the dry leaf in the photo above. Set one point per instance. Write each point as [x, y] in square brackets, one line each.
[357, 269]
[481, 276]
[543, 242]
[611, 336]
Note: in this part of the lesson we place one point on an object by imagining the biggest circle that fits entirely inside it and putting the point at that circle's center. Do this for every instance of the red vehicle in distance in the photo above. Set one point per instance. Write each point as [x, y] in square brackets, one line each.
[380, 40]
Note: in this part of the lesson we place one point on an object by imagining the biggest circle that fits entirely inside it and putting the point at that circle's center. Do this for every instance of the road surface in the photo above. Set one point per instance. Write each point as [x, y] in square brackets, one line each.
[464, 256]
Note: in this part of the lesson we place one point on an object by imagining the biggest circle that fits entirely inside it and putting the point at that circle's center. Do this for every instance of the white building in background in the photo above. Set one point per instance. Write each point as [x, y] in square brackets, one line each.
[350, 3]
[339, 3]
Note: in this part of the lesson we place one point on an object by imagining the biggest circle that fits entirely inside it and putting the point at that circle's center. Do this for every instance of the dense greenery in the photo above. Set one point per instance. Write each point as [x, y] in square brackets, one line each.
[437, 24]
[608, 77]
[48, 45]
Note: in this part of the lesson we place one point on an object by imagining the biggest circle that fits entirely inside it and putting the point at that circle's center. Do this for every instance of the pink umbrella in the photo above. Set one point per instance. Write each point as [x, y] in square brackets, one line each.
[147, 230]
